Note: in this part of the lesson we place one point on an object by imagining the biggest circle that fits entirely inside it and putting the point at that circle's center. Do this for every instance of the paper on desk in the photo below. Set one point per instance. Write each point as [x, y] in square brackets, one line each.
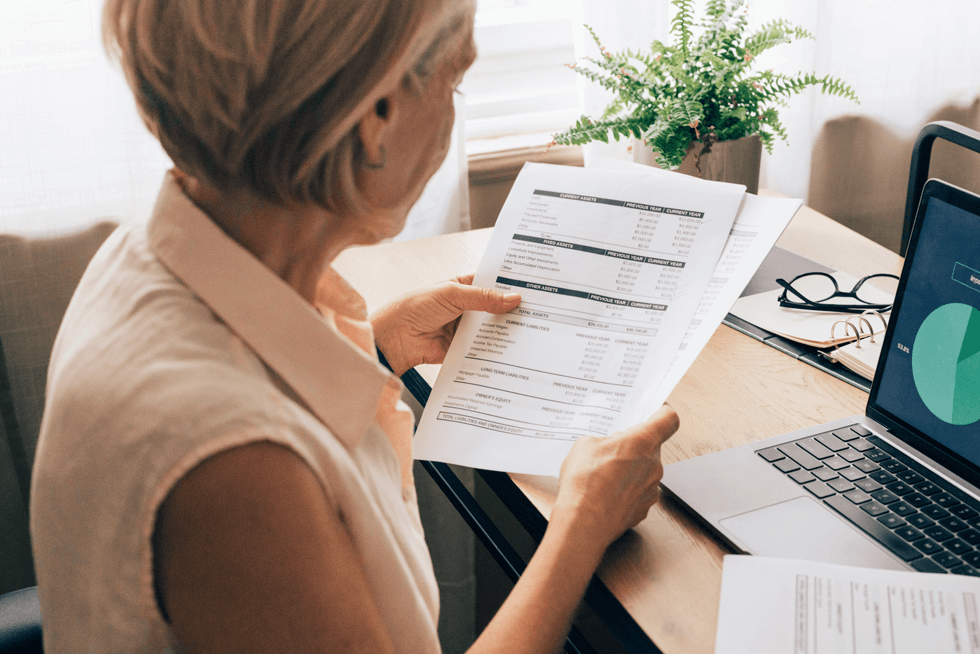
[758, 225]
[611, 266]
[814, 328]
[802, 607]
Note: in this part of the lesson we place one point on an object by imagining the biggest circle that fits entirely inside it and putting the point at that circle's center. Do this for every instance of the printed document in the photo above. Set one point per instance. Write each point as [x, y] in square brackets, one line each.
[802, 607]
[614, 268]
[758, 225]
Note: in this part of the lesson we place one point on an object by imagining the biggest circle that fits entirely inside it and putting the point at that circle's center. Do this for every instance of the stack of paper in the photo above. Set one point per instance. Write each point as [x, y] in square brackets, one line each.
[779, 606]
[624, 276]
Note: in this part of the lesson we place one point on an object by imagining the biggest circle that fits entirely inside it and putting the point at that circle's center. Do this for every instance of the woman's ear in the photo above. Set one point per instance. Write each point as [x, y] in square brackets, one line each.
[373, 128]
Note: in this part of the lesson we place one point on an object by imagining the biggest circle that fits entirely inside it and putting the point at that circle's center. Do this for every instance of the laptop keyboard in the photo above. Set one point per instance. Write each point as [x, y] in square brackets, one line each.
[924, 520]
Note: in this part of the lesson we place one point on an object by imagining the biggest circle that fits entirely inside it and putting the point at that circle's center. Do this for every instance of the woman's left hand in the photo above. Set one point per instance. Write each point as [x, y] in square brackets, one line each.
[418, 327]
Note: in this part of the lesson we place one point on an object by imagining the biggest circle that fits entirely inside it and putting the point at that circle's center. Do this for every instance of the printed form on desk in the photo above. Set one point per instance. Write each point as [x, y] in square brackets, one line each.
[803, 607]
[624, 275]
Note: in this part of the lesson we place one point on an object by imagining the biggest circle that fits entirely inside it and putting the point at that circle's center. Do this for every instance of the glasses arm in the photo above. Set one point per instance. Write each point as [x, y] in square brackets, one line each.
[787, 286]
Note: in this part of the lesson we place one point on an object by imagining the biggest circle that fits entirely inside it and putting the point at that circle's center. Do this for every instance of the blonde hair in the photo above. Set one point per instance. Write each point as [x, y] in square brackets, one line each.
[266, 94]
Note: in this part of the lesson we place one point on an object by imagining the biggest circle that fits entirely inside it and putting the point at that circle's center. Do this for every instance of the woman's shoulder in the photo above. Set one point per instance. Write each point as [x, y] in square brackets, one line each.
[140, 359]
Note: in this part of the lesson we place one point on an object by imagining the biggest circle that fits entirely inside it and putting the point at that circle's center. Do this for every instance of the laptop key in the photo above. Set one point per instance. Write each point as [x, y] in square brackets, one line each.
[801, 476]
[958, 547]
[831, 442]
[814, 447]
[907, 533]
[916, 499]
[963, 512]
[885, 496]
[933, 511]
[835, 463]
[866, 466]
[927, 488]
[882, 477]
[972, 536]
[845, 434]
[953, 523]
[945, 500]
[892, 521]
[867, 485]
[900, 488]
[947, 560]
[787, 465]
[927, 565]
[910, 477]
[893, 466]
[873, 528]
[850, 455]
[801, 456]
[851, 474]
[928, 546]
[965, 570]
[903, 508]
[873, 509]
[841, 485]
[825, 474]
[861, 431]
[857, 496]
[862, 445]
[937, 533]
[973, 558]
[820, 489]
[876, 455]
[771, 454]
[919, 521]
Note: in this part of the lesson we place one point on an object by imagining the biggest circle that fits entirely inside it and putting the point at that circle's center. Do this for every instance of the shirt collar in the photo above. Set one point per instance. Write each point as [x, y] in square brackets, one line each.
[339, 383]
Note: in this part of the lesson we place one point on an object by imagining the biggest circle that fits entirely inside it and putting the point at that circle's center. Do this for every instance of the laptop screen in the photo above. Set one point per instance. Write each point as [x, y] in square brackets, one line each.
[930, 377]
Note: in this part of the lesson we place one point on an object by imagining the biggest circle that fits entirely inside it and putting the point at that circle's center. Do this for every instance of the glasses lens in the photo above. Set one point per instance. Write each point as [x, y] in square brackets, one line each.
[878, 289]
[815, 287]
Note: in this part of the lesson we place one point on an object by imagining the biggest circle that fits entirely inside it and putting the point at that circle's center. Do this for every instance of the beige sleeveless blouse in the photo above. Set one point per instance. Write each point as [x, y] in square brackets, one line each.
[163, 360]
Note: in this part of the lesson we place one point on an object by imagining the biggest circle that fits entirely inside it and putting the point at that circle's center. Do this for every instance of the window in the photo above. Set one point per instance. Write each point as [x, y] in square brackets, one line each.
[520, 91]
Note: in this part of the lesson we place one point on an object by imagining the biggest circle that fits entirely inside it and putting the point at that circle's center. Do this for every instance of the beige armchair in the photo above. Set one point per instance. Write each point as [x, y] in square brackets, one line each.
[37, 279]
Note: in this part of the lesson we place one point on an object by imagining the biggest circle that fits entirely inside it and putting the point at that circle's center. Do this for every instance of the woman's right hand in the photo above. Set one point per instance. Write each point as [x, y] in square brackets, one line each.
[607, 485]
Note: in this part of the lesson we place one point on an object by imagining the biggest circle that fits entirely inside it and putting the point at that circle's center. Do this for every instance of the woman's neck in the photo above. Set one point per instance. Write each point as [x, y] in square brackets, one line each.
[295, 242]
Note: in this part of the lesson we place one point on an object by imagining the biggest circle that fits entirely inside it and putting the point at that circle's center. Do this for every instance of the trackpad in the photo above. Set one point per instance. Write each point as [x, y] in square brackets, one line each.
[803, 529]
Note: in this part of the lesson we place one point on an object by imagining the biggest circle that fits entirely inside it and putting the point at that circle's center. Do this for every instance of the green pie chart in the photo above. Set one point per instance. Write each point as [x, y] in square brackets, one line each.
[946, 363]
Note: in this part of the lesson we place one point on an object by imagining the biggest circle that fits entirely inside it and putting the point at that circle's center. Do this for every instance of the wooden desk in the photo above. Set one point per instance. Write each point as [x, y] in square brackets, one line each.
[667, 572]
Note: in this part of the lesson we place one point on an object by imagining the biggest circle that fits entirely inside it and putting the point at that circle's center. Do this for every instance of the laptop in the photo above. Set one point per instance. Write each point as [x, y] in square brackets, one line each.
[898, 487]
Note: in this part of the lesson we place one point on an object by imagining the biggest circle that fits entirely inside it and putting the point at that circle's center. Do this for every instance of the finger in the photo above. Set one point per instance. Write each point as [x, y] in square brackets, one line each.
[657, 428]
[465, 280]
[472, 298]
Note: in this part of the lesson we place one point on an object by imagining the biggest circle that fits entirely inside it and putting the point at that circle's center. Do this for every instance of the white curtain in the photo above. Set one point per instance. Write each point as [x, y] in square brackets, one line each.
[905, 59]
[908, 61]
[72, 148]
[620, 25]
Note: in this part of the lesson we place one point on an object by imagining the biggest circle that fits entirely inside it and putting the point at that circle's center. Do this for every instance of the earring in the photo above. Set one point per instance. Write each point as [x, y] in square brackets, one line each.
[371, 165]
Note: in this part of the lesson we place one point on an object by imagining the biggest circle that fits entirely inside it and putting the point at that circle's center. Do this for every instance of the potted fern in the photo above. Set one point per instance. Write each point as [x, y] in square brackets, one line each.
[696, 105]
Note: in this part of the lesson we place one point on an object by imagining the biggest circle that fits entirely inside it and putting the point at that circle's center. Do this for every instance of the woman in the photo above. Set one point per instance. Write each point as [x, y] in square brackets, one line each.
[223, 464]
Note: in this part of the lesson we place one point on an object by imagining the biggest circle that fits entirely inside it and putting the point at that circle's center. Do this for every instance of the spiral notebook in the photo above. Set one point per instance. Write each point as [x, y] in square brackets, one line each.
[862, 353]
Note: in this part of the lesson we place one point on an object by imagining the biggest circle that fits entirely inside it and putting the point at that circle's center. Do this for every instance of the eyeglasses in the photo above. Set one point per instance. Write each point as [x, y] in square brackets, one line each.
[813, 292]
